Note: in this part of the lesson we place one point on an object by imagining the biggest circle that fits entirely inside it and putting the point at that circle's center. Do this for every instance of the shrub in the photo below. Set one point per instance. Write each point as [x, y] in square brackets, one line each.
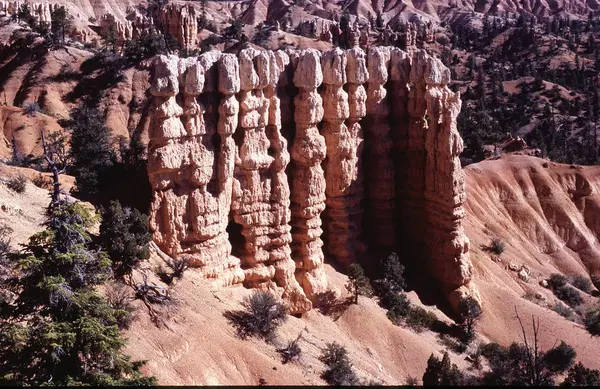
[563, 310]
[469, 310]
[592, 321]
[17, 183]
[582, 283]
[398, 307]
[31, 109]
[339, 369]
[559, 358]
[91, 149]
[125, 235]
[569, 295]
[557, 281]
[419, 319]
[412, 381]
[291, 352]
[358, 283]
[441, 372]
[497, 246]
[261, 316]
[393, 272]
[579, 375]
[120, 298]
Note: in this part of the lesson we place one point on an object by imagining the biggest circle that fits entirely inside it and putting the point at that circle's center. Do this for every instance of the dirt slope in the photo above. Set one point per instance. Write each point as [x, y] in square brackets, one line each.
[548, 215]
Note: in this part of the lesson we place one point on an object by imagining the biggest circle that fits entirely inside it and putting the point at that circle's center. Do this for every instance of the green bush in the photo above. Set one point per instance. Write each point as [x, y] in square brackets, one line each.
[17, 184]
[358, 283]
[497, 246]
[442, 373]
[579, 375]
[559, 358]
[261, 316]
[592, 321]
[339, 369]
[398, 307]
[419, 319]
[582, 283]
[291, 352]
[393, 272]
[125, 235]
[569, 295]
[557, 281]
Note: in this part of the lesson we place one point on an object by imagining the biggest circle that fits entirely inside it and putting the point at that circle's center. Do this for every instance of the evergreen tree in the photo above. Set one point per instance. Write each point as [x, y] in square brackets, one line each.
[441, 373]
[358, 283]
[393, 272]
[61, 22]
[59, 330]
[125, 235]
[470, 310]
[91, 149]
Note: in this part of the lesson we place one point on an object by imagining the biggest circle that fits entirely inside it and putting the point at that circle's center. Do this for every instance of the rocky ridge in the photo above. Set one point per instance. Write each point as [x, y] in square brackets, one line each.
[225, 171]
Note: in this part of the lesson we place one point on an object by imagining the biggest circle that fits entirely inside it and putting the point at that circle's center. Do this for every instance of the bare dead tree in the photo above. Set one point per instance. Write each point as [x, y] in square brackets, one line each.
[534, 355]
[56, 171]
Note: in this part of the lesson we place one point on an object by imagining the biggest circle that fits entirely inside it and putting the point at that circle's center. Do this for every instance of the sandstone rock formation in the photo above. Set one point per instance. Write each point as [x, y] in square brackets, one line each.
[255, 149]
[180, 22]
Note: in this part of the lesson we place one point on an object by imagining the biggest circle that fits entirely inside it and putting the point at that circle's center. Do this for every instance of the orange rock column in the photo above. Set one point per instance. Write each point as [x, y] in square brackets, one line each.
[165, 157]
[444, 181]
[261, 192]
[342, 217]
[380, 184]
[308, 180]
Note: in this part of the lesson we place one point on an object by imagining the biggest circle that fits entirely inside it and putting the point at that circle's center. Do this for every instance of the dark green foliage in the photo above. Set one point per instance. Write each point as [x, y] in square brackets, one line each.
[358, 283]
[441, 373]
[61, 22]
[261, 316]
[497, 246]
[592, 321]
[557, 281]
[579, 375]
[478, 128]
[398, 307]
[582, 283]
[24, 14]
[560, 358]
[339, 369]
[393, 272]
[516, 365]
[125, 236]
[563, 310]
[419, 319]
[148, 44]
[559, 285]
[469, 310]
[569, 295]
[17, 183]
[291, 352]
[261, 34]
[59, 329]
[91, 149]
[234, 30]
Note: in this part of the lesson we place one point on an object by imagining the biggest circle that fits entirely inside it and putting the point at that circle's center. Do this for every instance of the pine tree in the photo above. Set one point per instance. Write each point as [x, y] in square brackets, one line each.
[125, 236]
[91, 149]
[358, 283]
[59, 330]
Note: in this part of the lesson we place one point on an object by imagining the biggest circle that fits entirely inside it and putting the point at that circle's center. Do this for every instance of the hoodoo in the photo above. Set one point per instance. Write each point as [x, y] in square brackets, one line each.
[224, 156]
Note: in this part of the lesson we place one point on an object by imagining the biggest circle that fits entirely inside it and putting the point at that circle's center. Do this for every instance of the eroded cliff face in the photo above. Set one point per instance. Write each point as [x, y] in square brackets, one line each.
[256, 161]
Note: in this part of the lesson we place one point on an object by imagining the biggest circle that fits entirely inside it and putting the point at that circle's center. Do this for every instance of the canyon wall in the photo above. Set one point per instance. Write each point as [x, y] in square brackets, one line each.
[260, 170]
